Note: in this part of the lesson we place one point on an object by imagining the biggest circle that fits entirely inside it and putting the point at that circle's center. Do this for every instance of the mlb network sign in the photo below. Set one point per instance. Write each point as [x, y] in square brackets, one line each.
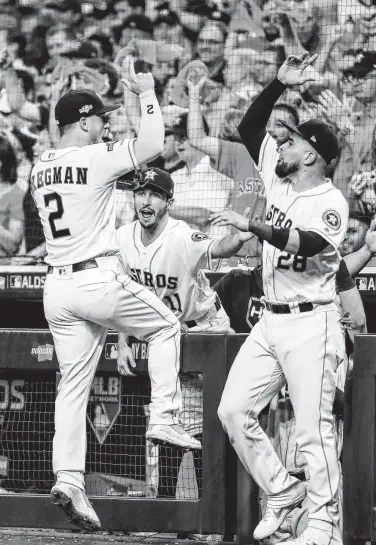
[43, 352]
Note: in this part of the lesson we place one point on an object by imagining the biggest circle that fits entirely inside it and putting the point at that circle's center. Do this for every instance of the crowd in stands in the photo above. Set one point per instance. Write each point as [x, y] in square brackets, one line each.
[209, 59]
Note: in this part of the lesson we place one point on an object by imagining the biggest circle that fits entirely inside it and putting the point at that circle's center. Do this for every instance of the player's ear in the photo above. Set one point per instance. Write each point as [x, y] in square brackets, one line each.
[170, 202]
[309, 157]
[83, 124]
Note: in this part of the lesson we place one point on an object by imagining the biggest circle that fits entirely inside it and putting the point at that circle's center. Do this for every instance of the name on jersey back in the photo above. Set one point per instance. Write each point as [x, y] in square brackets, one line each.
[59, 175]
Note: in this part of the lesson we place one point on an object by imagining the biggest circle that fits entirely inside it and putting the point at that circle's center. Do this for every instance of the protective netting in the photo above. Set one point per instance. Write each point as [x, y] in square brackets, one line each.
[48, 47]
[119, 460]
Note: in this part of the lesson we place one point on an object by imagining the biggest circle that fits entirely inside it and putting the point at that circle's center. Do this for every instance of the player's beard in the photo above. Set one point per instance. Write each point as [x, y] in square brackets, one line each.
[158, 217]
[284, 169]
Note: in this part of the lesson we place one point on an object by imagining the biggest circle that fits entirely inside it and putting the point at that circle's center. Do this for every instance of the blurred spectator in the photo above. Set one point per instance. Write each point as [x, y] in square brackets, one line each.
[199, 189]
[64, 11]
[134, 26]
[167, 25]
[102, 43]
[210, 48]
[356, 153]
[60, 38]
[356, 233]
[11, 199]
[125, 8]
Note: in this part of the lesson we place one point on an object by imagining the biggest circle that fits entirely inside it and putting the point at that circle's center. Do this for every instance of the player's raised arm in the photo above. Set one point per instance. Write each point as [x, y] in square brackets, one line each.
[150, 140]
[252, 128]
[294, 241]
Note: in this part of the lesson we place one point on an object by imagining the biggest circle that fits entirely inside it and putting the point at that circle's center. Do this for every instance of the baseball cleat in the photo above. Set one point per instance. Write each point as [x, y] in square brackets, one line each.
[75, 504]
[173, 434]
[274, 516]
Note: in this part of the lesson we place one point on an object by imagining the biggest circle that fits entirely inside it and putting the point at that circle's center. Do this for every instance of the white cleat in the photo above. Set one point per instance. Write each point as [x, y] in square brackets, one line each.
[75, 504]
[173, 434]
[274, 516]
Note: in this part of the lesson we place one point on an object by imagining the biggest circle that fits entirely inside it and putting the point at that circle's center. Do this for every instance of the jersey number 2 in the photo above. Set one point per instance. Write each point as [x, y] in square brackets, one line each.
[56, 215]
[298, 264]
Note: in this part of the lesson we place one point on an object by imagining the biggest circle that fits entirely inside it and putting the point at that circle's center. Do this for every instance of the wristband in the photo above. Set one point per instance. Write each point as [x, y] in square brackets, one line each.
[280, 237]
[147, 93]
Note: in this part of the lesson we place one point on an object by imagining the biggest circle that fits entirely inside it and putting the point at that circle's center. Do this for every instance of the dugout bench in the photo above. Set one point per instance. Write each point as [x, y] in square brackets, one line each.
[116, 441]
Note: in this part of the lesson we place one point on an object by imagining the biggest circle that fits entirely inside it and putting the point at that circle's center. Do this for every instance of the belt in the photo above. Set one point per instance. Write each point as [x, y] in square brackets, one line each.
[83, 266]
[291, 308]
[193, 323]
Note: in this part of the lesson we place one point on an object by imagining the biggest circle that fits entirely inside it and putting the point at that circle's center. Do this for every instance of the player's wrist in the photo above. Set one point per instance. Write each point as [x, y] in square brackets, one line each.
[147, 93]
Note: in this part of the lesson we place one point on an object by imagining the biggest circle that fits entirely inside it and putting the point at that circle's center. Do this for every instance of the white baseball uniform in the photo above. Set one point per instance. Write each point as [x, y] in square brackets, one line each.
[74, 190]
[303, 348]
[171, 268]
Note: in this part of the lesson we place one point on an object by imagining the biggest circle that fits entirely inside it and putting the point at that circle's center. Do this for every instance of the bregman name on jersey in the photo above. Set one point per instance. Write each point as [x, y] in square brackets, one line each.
[59, 175]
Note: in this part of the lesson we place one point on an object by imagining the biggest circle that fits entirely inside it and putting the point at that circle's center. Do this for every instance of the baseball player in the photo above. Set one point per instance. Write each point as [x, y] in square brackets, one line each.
[167, 257]
[298, 338]
[86, 291]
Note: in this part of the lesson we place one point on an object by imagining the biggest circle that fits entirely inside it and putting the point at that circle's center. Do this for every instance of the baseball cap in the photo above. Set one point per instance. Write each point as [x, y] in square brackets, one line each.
[156, 177]
[80, 103]
[179, 125]
[82, 50]
[138, 21]
[319, 135]
[64, 5]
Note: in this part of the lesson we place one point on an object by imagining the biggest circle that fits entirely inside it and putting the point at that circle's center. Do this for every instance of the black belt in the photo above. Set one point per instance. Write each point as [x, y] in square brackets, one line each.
[193, 323]
[285, 309]
[83, 266]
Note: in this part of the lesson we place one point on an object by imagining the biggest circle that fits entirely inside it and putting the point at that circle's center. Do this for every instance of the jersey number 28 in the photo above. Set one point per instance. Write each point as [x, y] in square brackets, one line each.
[297, 263]
[56, 215]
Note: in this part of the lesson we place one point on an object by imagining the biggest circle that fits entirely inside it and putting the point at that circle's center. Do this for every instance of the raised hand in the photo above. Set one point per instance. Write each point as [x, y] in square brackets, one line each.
[195, 84]
[292, 71]
[137, 83]
[229, 217]
[370, 239]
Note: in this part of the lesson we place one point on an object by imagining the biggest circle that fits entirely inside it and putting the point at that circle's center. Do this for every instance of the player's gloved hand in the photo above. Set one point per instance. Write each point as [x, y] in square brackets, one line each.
[125, 360]
[292, 71]
[370, 238]
[229, 217]
[137, 83]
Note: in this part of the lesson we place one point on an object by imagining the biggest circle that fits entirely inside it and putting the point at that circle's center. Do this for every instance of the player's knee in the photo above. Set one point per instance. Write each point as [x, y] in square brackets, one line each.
[233, 413]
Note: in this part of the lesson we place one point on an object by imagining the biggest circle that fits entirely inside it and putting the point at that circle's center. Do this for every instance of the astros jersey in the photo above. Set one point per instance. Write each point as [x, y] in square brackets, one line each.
[170, 266]
[74, 191]
[322, 210]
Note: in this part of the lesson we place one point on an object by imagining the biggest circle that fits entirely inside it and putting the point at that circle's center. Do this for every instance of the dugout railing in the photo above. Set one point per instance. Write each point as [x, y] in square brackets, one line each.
[28, 378]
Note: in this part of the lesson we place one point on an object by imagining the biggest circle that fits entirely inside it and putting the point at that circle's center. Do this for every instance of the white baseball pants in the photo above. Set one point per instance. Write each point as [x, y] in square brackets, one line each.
[304, 349]
[80, 307]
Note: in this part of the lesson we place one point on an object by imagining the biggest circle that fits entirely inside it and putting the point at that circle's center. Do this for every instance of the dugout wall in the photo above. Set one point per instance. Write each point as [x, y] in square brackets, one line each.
[117, 459]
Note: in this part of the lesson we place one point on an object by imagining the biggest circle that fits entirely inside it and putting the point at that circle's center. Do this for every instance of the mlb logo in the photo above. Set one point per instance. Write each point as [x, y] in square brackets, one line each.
[15, 281]
[111, 351]
[362, 283]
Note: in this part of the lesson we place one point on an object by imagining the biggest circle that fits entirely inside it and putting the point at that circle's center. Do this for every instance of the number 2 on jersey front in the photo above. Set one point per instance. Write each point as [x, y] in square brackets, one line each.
[287, 261]
[56, 215]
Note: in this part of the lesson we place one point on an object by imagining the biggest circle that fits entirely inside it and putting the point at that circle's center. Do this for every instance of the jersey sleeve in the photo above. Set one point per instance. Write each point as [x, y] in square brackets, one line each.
[268, 158]
[329, 218]
[111, 160]
[195, 249]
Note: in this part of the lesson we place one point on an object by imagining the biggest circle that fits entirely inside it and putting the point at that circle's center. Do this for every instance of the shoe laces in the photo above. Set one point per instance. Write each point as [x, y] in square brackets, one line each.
[269, 513]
